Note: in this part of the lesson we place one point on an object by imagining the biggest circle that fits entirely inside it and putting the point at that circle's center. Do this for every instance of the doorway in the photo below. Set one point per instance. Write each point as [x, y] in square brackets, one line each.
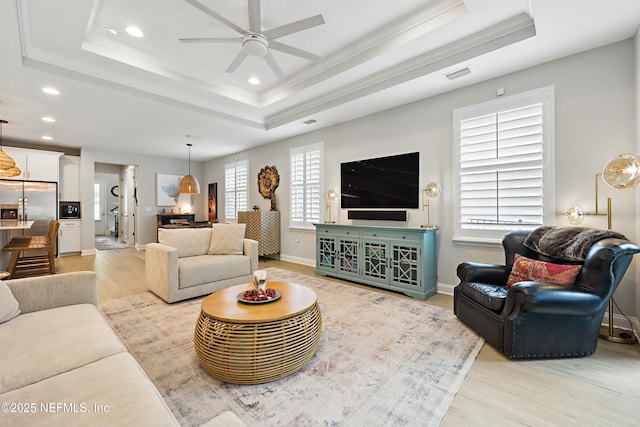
[114, 199]
[100, 207]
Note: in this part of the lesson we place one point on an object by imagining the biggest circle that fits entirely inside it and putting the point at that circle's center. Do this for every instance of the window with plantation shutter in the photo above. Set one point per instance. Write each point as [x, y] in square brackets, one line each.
[235, 189]
[305, 185]
[504, 167]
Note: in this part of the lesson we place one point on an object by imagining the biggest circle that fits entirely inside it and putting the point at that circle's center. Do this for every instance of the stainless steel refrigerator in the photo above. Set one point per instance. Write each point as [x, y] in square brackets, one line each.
[37, 201]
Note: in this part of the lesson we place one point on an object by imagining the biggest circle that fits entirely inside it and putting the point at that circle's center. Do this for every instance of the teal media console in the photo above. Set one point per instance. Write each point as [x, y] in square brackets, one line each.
[401, 259]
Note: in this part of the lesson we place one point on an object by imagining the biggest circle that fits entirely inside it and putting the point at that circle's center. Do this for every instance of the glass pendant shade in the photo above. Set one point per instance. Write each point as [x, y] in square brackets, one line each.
[189, 184]
[432, 189]
[575, 214]
[622, 171]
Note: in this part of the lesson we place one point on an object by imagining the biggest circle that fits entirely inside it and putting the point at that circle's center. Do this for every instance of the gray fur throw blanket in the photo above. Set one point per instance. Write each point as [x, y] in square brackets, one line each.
[568, 243]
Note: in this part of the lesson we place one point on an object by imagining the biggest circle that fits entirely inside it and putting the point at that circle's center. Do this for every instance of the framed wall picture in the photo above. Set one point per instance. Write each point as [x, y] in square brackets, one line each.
[213, 202]
[167, 189]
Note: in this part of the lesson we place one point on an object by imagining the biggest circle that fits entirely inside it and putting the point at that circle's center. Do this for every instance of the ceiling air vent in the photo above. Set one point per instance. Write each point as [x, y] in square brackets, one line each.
[457, 74]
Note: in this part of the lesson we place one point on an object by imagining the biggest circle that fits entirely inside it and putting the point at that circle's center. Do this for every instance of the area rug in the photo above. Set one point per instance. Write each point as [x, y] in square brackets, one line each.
[383, 360]
[107, 243]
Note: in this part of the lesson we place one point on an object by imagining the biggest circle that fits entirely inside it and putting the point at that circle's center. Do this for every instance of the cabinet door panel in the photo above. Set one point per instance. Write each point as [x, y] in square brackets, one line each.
[405, 265]
[348, 255]
[374, 254]
[326, 253]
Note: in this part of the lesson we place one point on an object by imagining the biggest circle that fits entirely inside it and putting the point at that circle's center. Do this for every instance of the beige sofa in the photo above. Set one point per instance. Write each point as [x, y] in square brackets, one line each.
[61, 364]
[191, 262]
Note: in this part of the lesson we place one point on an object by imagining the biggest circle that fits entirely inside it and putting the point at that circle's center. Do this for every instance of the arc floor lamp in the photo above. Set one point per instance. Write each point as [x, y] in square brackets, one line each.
[623, 171]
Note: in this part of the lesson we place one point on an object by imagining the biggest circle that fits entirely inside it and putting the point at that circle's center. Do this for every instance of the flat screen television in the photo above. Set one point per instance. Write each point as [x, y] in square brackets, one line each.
[383, 182]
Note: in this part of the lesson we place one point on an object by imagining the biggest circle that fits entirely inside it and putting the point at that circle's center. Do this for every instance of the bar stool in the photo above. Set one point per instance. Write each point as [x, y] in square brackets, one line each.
[34, 265]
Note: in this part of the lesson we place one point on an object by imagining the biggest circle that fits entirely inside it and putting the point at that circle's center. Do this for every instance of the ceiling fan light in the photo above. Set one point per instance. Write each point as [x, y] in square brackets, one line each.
[255, 45]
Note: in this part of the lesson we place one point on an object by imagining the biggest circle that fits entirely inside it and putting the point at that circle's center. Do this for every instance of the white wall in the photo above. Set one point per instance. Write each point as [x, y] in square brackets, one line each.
[595, 120]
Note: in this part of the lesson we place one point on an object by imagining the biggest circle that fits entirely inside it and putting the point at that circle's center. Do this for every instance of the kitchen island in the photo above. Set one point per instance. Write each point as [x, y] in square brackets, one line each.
[6, 226]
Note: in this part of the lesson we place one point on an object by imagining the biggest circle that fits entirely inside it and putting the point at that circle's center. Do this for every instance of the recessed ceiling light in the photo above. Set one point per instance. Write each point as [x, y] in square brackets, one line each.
[254, 81]
[134, 31]
[48, 119]
[51, 90]
[110, 31]
[46, 137]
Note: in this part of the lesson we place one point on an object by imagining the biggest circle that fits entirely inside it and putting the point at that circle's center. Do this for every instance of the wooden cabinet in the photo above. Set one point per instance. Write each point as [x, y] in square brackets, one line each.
[69, 178]
[401, 259]
[36, 165]
[263, 226]
[69, 236]
[166, 219]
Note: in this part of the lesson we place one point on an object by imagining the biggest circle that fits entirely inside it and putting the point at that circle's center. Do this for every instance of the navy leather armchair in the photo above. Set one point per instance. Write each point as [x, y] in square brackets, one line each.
[537, 319]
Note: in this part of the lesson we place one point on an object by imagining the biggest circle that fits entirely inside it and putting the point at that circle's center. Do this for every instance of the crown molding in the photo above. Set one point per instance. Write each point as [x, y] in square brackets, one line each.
[413, 25]
[513, 30]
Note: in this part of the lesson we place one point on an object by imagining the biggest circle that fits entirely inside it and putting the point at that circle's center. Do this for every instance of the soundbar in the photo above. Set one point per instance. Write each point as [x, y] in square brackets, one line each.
[378, 215]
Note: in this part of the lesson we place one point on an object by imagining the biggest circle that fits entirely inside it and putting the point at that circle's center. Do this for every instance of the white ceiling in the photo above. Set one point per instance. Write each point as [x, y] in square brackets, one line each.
[145, 95]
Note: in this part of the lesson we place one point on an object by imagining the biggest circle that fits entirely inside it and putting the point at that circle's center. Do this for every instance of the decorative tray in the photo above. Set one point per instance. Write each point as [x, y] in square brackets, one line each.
[242, 297]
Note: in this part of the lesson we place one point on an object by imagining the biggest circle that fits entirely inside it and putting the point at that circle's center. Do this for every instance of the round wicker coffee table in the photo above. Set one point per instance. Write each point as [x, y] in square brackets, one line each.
[242, 343]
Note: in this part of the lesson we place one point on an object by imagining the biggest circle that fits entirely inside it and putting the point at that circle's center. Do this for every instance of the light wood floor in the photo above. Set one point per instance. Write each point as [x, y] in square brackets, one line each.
[599, 390]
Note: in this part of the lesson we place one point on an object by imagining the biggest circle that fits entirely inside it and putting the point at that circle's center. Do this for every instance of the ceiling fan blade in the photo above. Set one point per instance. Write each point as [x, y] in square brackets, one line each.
[294, 27]
[212, 40]
[294, 51]
[214, 15]
[236, 62]
[254, 16]
[271, 61]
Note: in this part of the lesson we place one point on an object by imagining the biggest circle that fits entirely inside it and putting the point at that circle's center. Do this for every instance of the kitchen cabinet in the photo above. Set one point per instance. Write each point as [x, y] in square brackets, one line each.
[69, 173]
[69, 236]
[401, 259]
[36, 165]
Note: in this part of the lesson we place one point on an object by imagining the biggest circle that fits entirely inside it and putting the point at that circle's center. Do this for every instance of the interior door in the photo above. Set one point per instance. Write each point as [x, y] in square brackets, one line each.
[126, 204]
[100, 207]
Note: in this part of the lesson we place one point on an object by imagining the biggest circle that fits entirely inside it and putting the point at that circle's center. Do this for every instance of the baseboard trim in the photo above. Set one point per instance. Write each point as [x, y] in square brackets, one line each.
[444, 288]
[619, 321]
[297, 260]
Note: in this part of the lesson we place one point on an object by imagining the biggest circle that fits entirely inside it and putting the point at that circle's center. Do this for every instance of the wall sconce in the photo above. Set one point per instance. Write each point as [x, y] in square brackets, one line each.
[620, 172]
[431, 191]
[331, 196]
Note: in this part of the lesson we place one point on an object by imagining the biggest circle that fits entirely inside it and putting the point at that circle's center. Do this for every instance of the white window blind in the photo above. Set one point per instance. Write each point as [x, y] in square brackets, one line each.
[235, 189]
[503, 166]
[305, 187]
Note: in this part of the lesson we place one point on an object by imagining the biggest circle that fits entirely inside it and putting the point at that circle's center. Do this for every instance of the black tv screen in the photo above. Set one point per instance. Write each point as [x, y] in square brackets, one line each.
[384, 182]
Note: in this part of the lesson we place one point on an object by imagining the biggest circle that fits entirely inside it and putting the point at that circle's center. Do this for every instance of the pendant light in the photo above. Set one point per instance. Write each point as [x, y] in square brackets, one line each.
[189, 184]
[8, 166]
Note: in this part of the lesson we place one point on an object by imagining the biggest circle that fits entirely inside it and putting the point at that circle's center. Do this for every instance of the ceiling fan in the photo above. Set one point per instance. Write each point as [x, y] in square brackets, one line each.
[256, 42]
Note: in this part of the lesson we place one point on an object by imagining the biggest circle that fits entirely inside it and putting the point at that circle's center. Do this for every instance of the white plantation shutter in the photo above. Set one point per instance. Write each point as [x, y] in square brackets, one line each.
[312, 186]
[297, 187]
[235, 189]
[504, 177]
[305, 197]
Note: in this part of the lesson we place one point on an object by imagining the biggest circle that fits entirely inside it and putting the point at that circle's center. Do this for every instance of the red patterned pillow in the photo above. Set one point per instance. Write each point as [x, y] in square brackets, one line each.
[526, 269]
